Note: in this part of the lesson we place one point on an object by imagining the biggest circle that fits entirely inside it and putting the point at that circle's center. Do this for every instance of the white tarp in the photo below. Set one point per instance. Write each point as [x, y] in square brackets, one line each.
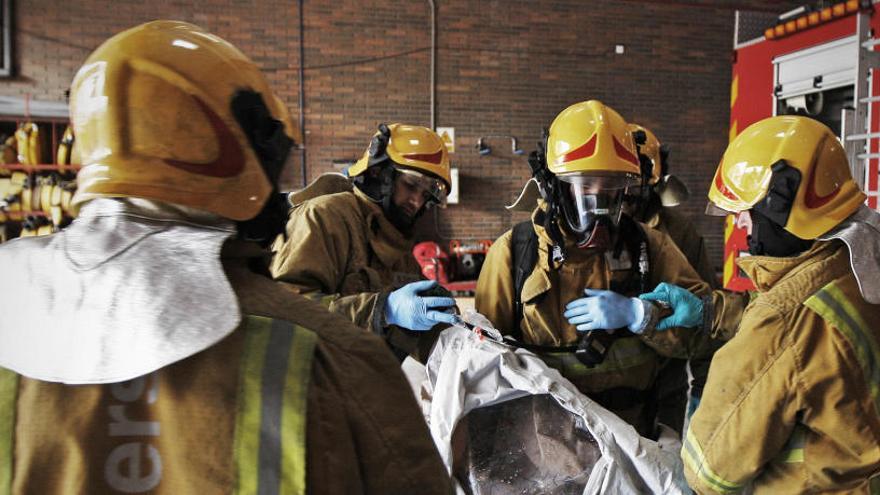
[468, 373]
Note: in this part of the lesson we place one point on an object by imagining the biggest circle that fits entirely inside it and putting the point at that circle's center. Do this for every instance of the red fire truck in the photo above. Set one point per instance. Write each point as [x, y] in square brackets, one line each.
[815, 60]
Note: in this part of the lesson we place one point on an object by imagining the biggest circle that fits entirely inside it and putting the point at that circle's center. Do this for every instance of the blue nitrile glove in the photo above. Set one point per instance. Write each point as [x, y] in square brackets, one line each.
[406, 308]
[693, 404]
[605, 309]
[687, 309]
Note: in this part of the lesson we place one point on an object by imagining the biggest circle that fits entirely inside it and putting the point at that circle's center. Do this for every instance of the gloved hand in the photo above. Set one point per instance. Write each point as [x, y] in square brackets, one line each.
[687, 309]
[693, 404]
[605, 309]
[407, 309]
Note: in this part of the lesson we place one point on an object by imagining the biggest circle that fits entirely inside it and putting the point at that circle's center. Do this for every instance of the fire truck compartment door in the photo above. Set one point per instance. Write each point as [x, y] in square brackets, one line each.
[818, 68]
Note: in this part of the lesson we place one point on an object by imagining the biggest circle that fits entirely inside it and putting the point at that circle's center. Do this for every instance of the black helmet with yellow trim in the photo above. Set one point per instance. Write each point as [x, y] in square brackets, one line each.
[170, 112]
[591, 153]
[408, 154]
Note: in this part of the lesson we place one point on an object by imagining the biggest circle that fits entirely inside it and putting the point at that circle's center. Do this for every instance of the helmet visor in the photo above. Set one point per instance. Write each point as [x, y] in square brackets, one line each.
[589, 197]
[714, 210]
[432, 189]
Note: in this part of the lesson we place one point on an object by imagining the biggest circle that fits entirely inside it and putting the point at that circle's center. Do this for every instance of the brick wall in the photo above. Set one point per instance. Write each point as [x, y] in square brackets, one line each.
[505, 67]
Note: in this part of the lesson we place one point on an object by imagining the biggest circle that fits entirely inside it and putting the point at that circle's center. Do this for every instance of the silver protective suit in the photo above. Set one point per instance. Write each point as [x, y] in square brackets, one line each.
[504, 422]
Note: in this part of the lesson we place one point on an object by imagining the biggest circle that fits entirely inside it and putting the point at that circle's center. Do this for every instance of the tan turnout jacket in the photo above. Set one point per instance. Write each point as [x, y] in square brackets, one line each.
[632, 363]
[341, 245]
[178, 430]
[685, 235]
[792, 404]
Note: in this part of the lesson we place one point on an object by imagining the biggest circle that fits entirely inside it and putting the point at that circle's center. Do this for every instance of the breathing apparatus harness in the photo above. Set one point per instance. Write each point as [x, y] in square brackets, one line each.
[551, 189]
[594, 345]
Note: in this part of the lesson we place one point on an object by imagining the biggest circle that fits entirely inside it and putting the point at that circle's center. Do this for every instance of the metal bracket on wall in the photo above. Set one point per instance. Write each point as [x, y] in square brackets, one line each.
[484, 149]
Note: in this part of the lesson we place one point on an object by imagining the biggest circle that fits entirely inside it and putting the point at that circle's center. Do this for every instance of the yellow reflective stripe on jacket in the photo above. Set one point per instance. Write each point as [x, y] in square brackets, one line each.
[833, 306]
[8, 398]
[693, 457]
[270, 431]
[793, 451]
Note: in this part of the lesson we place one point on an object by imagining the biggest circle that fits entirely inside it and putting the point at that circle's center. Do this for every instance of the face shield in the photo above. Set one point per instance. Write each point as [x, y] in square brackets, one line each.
[588, 198]
[431, 190]
[412, 193]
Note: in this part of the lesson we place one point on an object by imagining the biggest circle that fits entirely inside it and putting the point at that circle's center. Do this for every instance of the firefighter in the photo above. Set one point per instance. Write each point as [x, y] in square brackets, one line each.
[355, 246]
[546, 282]
[139, 349]
[791, 404]
[657, 199]
[655, 205]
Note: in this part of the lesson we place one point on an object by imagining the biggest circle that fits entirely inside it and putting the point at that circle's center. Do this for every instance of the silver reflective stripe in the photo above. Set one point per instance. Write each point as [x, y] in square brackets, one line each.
[832, 305]
[274, 376]
[270, 428]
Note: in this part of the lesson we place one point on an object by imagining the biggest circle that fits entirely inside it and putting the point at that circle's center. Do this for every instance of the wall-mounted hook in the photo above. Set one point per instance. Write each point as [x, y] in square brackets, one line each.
[484, 149]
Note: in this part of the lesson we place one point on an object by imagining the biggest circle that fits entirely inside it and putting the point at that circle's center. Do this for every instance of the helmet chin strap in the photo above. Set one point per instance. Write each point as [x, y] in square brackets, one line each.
[554, 212]
[378, 185]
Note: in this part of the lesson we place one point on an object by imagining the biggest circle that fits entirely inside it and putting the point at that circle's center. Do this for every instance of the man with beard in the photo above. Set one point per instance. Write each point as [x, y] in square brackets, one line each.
[354, 246]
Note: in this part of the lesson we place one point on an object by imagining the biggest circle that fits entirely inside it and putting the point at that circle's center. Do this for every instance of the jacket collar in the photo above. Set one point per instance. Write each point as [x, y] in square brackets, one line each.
[767, 271]
[388, 243]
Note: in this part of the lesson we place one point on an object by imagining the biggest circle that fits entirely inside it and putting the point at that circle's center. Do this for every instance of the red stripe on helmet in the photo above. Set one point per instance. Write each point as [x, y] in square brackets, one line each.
[584, 151]
[625, 153]
[435, 158]
[723, 189]
[230, 158]
[812, 199]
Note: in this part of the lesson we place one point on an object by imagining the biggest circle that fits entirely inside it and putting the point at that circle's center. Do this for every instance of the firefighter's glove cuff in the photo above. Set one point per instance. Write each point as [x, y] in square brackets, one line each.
[606, 310]
[405, 308]
[687, 309]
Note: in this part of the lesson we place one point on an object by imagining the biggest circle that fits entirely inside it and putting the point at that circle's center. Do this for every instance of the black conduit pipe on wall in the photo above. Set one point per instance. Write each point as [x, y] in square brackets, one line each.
[302, 94]
[433, 64]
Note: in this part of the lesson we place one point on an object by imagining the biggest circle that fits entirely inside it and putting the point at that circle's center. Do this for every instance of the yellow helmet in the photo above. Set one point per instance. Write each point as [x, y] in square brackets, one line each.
[793, 170]
[170, 112]
[650, 149]
[410, 147]
[589, 137]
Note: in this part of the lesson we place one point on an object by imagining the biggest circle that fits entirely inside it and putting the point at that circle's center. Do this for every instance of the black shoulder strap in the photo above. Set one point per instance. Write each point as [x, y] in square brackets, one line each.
[524, 248]
[632, 237]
